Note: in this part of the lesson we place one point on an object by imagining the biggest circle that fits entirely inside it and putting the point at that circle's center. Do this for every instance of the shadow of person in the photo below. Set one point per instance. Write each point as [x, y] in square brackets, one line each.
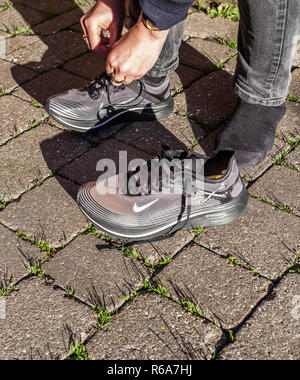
[62, 61]
[47, 47]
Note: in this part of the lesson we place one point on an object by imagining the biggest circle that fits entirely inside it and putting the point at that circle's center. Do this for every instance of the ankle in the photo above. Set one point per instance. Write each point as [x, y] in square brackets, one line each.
[251, 132]
[157, 86]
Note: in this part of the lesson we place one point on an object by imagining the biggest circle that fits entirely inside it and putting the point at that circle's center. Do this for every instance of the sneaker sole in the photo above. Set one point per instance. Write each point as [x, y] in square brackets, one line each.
[220, 215]
[146, 113]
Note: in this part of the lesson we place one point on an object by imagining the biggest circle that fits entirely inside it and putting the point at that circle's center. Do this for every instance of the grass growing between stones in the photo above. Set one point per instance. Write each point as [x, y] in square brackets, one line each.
[213, 9]
[6, 284]
[4, 5]
[292, 99]
[293, 142]
[17, 31]
[77, 352]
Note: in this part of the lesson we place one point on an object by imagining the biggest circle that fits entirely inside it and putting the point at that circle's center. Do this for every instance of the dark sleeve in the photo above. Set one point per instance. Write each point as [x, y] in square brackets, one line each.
[166, 13]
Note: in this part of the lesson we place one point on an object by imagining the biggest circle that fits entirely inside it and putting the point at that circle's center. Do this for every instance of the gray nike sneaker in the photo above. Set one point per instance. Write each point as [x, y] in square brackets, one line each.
[101, 103]
[217, 196]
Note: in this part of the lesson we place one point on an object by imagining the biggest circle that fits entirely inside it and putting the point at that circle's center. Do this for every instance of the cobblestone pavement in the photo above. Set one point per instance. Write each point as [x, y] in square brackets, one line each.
[231, 292]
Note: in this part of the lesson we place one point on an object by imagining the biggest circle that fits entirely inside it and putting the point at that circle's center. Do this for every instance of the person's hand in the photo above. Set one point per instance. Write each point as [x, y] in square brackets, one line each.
[135, 53]
[105, 15]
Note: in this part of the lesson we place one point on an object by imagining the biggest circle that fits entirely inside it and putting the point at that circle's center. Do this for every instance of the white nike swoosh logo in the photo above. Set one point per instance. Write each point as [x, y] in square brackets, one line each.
[136, 208]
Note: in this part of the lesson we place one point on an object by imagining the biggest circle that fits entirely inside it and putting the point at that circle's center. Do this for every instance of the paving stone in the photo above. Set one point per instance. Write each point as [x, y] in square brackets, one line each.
[31, 157]
[290, 125]
[293, 158]
[279, 185]
[8, 81]
[15, 44]
[230, 65]
[204, 55]
[99, 135]
[16, 116]
[211, 99]
[264, 237]
[83, 169]
[55, 6]
[48, 84]
[183, 77]
[296, 61]
[39, 321]
[60, 22]
[76, 28]
[88, 66]
[154, 328]
[202, 26]
[19, 16]
[295, 85]
[92, 268]
[51, 51]
[214, 285]
[12, 261]
[47, 212]
[156, 251]
[272, 333]
[176, 131]
[252, 173]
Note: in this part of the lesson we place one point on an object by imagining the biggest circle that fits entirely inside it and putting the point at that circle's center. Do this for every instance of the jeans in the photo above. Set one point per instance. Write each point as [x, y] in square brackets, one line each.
[267, 42]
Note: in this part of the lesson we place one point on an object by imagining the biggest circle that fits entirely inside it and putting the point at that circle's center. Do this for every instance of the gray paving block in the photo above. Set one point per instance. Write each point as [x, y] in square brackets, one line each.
[39, 321]
[293, 158]
[224, 292]
[16, 116]
[183, 77]
[296, 61]
[17, 45]
[156, 251]
[200, 25]
[279, 185]
[272, 333]
[48, 84]
[31, 157]
[8, 81]
[83, 169]
[47, 212]
[88, 66]
[58, 23]
[295, 84]
[93, 269]
[14, 252]
[154, 328]
[19, 16]
[253, 172]
[176, 131]
[57, 6]
[204, 55]
[211, 99]
[290, 125]
[263, 237]
[50, 52]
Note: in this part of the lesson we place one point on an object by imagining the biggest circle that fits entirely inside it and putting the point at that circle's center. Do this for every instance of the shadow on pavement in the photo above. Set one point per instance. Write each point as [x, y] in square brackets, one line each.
[147, 136]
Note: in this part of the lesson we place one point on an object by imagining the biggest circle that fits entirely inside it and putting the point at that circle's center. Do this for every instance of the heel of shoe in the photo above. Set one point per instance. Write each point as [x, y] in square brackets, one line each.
[225, 214]
[151, 112]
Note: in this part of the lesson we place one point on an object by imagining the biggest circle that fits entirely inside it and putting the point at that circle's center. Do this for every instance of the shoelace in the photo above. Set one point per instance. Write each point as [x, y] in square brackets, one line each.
[101, 85]
[166, 153]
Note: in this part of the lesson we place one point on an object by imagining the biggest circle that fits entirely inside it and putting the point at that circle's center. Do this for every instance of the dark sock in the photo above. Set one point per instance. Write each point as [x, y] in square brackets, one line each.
[251, 132]
[158, 87]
